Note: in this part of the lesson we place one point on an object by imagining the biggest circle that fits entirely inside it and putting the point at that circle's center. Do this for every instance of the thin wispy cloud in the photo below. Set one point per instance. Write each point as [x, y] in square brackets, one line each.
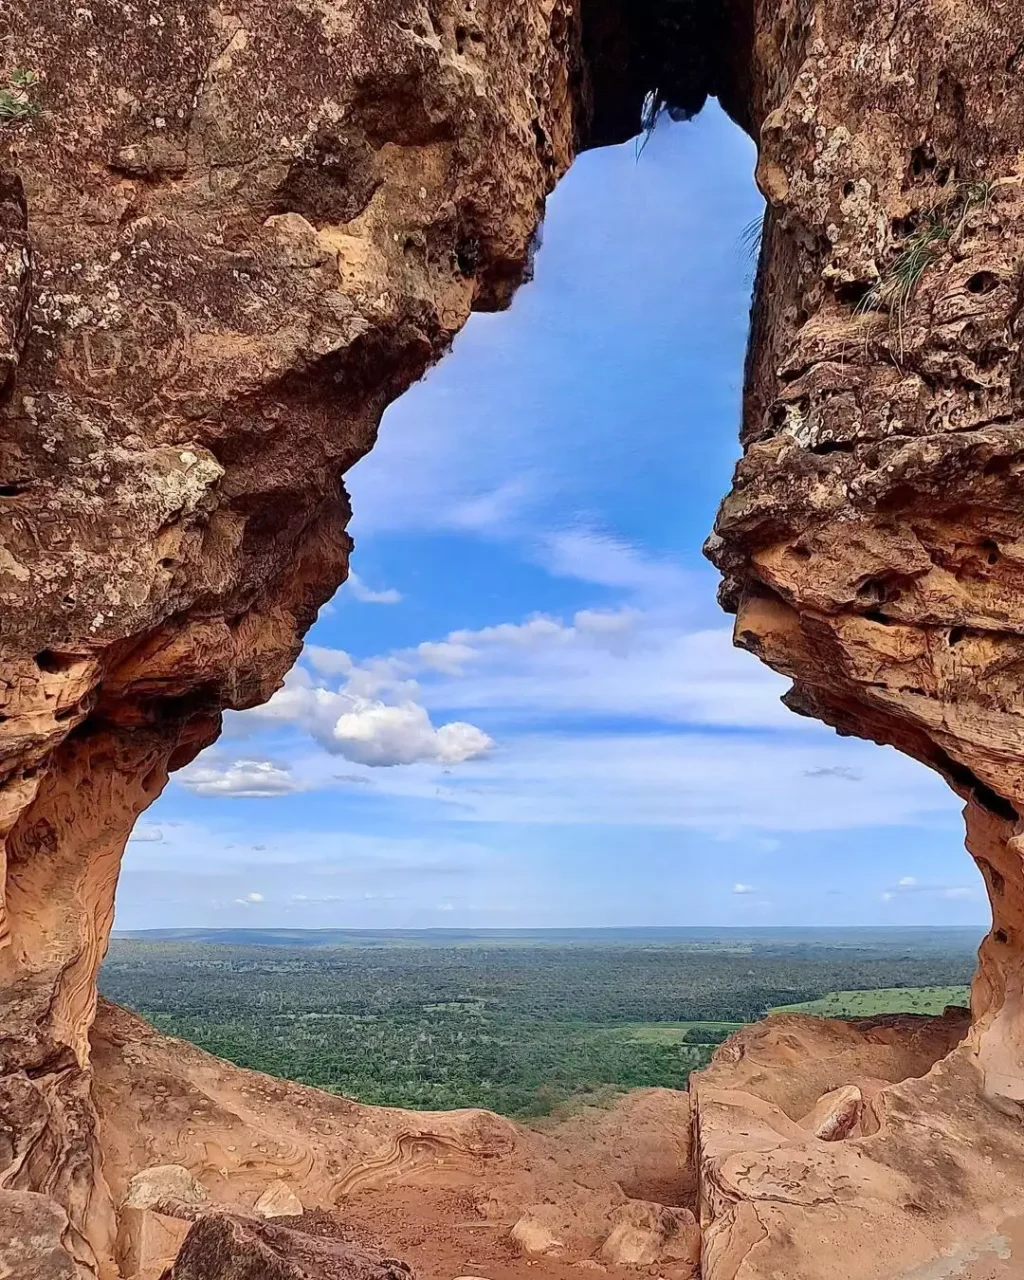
[366, 595]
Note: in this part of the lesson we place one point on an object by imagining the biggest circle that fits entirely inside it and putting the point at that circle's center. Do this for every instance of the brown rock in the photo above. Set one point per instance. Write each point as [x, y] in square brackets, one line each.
[222, 1247]
[836, 1114]
[148, 1242]
[32, 1231]
[532, 1234]
[228, 241]
[203, 314]
[164, 1184]
[278, 1201]
[643, 1233]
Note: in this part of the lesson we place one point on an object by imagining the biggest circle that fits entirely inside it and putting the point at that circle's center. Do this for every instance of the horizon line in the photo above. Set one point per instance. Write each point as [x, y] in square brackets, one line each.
[501, 929]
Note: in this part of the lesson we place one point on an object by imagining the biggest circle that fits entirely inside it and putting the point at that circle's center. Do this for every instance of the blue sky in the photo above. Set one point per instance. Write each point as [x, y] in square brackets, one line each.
[524, 709]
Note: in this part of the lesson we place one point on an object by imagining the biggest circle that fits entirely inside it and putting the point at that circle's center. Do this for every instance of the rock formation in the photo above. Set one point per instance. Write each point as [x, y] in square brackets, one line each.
[230, 234]
[871, 542]
[440, 1190]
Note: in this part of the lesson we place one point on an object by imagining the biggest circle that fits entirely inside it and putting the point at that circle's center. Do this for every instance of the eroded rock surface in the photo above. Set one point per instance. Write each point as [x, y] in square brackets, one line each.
[235, 232]
[225, 1247]
[871, 551]
[443, 1190]
[231, 235]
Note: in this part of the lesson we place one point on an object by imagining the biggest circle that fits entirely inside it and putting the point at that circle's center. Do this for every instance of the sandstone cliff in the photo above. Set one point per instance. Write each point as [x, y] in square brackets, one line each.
[234, 232]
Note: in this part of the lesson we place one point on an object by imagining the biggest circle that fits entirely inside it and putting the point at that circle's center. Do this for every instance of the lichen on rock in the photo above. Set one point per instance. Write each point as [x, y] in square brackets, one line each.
[232, 234]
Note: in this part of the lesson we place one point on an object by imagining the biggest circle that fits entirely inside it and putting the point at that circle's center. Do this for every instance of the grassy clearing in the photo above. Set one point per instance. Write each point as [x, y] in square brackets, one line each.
[680, 1032]
[865, 1004]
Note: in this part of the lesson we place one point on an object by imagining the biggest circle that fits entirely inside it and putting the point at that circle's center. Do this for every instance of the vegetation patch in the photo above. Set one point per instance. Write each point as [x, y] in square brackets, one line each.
[17, 96]
[895, 288]
[866, 1004]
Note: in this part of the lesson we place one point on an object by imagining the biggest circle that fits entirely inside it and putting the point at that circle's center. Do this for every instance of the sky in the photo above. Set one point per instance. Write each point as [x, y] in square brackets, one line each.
[524, 708]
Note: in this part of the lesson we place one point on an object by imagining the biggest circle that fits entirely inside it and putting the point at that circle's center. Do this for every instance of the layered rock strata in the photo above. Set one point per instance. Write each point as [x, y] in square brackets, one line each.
[231, 234]
[871, 547]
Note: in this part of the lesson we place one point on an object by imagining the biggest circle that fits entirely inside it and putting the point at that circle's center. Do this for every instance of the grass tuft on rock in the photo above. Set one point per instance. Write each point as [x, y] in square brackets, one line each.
[895, 288]
[17, 100]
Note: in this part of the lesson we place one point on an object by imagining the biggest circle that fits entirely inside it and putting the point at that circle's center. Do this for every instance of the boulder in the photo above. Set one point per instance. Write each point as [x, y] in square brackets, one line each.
[278, 1201]
[836, 1114]
[643, 1233]
[532, 1235]
[164, 1186]
[148, 1242]
[224, 1246]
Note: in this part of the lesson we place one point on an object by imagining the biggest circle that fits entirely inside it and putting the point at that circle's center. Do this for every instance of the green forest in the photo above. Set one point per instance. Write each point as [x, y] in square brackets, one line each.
[522, 1025]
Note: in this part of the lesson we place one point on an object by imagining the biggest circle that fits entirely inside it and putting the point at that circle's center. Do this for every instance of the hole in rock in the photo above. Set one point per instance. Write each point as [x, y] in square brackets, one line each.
[54, 663]
[922, 160]
[982, 282]
[852, 293]
[521, 732]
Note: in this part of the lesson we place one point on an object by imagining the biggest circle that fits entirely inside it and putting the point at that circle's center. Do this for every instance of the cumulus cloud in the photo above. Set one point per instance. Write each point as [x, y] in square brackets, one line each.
[366, 595]
[377, 734]
[242, 778]
[373, 718]
[743, 889]
[250, 899]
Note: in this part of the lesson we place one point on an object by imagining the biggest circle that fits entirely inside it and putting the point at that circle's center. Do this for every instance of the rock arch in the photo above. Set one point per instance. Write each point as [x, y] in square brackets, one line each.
[234, 233]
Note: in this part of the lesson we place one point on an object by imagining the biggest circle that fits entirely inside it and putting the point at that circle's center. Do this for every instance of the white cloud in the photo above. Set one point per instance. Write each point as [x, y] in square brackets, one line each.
[609, 562]
[488, 511]
[947, 892]
[249, 900]
[726, 784]
[625, 664]
[366, 595]
[329, 662]
[245, 778]
[353, 722]
[146, 833]
[377, 734]
[743, 889]
[671, 726]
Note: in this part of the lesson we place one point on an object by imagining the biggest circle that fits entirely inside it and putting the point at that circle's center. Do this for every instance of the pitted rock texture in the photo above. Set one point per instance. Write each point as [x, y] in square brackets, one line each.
[231, 235]
[235, 232]
[871, 547]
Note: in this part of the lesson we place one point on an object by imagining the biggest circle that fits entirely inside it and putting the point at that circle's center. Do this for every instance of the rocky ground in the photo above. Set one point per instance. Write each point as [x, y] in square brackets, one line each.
[803, 1136]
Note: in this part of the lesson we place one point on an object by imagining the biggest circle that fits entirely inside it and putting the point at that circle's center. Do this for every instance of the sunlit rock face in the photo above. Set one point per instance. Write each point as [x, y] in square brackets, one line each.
[234, 232]
[231, 235]
[872, 550]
